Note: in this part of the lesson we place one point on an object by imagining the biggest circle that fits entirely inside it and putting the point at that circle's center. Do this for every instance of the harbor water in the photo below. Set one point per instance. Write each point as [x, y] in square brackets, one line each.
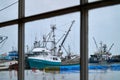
[96, 72]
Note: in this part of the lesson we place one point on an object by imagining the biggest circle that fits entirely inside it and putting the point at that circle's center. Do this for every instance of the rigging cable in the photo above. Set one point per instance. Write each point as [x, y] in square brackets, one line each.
[8, 6]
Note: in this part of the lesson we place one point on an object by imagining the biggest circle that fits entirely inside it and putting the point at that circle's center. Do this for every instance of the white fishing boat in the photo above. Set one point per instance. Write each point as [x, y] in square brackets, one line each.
[6, 64]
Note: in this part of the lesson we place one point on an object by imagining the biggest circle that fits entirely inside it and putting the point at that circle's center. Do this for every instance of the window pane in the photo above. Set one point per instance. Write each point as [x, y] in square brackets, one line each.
[37, 6]
[8, 52]
[43, 38]
[104, 42]
[8, 10]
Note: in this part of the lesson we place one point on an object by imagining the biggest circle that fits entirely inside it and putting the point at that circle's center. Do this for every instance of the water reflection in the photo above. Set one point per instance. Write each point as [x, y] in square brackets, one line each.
[50, 75]
[96, 72]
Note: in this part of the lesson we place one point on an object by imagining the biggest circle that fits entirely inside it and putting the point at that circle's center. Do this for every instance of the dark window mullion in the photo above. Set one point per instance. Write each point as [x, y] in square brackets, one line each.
[89, 6]
[21, 35]
[84, 42]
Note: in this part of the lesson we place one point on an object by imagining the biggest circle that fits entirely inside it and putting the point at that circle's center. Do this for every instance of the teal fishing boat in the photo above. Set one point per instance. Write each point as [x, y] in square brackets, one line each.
[42, 56]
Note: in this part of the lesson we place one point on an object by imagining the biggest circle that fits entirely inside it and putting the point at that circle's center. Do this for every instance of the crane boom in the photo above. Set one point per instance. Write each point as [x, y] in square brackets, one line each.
[95, 42]
[110, 47]
[3, 38]
[66, 35]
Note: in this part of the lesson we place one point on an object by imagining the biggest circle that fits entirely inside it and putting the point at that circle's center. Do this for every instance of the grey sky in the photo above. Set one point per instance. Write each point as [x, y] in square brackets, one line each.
[43, 27]
[9, 13]
[103, 24]
[36, 6]
[12, 33]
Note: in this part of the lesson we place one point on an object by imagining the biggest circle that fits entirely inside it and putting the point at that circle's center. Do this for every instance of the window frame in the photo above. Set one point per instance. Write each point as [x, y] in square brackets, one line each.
[83, 8]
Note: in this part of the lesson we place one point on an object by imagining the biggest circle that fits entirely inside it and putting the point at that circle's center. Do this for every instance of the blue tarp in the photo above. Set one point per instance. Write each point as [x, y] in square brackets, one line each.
[91, 67]
[69, 67]
[115, 67]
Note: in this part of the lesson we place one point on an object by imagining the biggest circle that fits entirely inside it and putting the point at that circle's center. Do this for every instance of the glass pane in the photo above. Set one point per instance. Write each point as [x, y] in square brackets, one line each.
[8, 10]
[37, 6]
[50, 52]
[104, 42]
[8, 52]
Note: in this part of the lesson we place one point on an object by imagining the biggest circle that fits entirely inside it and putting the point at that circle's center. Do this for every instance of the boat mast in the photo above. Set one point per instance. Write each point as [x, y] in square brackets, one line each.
[54, 41]
[36, 43]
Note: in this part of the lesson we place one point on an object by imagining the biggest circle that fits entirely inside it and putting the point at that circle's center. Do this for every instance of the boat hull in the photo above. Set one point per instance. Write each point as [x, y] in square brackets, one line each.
[41, 64]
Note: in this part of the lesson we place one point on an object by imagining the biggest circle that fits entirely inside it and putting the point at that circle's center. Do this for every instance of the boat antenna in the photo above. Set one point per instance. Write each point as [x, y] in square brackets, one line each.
[65, 36]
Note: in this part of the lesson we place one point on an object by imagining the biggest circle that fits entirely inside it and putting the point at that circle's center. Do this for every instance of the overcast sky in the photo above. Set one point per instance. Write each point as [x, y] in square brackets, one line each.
[104, 24]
